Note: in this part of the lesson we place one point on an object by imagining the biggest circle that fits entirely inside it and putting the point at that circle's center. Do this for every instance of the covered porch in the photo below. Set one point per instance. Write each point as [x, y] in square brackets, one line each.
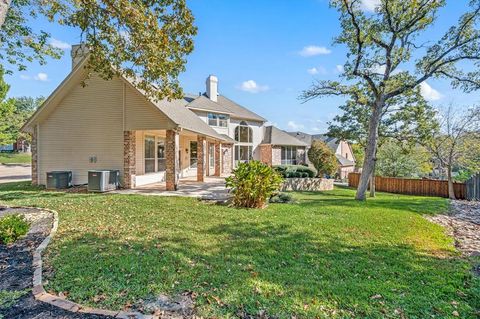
[162, 159]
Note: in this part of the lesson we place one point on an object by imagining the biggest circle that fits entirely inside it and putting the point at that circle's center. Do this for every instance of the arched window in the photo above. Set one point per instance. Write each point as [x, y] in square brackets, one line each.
[243, 133]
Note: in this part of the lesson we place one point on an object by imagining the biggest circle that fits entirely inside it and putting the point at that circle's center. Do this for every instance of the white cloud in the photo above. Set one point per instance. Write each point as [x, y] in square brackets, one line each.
[379, 69]
[252, 87]
[25, 77]
[370, 5]
[313, 50]
[315, 70]
[41, 77]
[339, 68]
[429, 93]
[60, 44]
[295, 126]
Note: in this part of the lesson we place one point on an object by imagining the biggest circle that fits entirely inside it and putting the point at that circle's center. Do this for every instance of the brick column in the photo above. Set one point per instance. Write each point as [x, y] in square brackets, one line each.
[129, 163]
[218, 160]
[34, 156]
[171, 158]
[227, 158]
[266, 154]
[201, 145]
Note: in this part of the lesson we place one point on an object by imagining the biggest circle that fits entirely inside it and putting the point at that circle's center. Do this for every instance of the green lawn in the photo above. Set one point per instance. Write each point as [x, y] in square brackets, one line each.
[327, 256]
[15, 158]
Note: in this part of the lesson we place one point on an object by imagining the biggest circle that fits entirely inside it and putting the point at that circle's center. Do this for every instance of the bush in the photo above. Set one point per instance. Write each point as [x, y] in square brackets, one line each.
[322, 157]
[12, 227]
[253, 183]
[282, 198]
[295, 171]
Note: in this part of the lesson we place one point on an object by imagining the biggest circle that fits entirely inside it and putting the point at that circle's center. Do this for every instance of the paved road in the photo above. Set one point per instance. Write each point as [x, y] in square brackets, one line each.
[15, 173]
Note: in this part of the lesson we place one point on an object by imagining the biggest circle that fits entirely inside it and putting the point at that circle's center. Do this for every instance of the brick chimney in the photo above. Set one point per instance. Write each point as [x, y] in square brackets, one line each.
[77, 53]
[212, 87]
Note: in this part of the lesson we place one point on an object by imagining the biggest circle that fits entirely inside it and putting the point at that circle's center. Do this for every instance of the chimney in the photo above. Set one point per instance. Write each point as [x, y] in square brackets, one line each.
[212, 87]
[78, 52]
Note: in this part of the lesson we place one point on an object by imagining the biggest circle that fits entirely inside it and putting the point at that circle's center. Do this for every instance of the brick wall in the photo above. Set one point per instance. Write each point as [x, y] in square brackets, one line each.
[129, 165]
[34, 157]
[276, 155]
[201, 158]
[171, 160]
[227, 159]
[266, 154]
[218, 159]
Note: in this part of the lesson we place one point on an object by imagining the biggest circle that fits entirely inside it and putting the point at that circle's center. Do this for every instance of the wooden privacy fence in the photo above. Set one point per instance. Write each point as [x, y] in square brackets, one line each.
[421, 187]
[473, 187]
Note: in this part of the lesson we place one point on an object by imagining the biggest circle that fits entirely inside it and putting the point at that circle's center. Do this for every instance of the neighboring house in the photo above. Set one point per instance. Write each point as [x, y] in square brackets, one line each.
[20, 145]
[342, 150]
[113, 125]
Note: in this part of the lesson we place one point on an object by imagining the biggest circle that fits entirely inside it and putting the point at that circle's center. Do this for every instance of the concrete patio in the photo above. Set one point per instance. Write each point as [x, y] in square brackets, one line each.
[213, 188]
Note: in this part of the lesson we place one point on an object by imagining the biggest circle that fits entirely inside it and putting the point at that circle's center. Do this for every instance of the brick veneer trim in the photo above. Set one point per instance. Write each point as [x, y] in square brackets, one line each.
[129, 163]
[34, 150]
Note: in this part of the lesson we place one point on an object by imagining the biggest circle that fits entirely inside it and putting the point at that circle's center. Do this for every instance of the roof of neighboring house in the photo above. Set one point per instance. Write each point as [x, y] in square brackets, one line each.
[331, 142]
[276, 136]
[344, 161]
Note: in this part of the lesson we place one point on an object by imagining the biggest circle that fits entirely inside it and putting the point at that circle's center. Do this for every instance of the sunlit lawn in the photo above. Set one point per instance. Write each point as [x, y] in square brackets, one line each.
[326, 256]
[15, 158]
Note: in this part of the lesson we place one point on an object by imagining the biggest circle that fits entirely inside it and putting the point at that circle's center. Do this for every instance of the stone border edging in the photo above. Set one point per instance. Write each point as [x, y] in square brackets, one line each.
[40, 294]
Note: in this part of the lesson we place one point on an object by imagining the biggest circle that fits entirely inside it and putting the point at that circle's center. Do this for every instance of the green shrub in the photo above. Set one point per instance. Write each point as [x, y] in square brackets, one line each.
[295, 171]
[282, 198]
[12, 227]
[253, 183]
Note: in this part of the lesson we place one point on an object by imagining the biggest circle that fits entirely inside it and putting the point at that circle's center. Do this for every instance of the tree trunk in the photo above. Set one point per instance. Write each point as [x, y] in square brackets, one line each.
[4, 6]
[372, 180]
[371, 150]
[451, 190]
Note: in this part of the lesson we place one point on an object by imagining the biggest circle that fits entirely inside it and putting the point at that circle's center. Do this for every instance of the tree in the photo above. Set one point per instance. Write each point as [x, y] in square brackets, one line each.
[144, 40]
[407, 118]
[322, 158]
[395, 159]
[23, 108]
[6, 111]
[381, 47]
[451, 143]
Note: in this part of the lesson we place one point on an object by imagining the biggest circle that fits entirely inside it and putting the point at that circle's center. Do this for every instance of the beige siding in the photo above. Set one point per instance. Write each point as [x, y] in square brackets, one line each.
[141, 114]
[86, 123]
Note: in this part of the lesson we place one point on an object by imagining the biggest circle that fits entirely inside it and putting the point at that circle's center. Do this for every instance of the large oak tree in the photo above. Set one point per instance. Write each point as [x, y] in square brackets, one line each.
[381, 49]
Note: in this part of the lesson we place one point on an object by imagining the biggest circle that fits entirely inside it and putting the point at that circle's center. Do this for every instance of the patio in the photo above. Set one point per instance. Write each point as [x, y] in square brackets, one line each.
[212, 188]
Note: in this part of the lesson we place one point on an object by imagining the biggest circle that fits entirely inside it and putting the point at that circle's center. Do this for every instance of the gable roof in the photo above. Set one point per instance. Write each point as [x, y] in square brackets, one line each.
[203, 103]
[276, 136]
[175, 110]
[239, 111]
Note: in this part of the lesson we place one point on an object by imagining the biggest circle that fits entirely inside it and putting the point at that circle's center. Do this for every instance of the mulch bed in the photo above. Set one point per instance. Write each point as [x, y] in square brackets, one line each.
[16, 271]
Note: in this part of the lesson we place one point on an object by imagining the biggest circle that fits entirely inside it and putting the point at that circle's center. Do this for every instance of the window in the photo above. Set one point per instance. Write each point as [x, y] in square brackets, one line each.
[243, 133]
[154, 154]
[217, 119]
[149, 154]
[289, 155]
[193, 154]
[243, 153]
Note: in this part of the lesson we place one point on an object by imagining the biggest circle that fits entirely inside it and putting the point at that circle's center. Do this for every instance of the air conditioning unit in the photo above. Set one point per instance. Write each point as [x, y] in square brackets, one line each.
[103, 180]
[59, 179]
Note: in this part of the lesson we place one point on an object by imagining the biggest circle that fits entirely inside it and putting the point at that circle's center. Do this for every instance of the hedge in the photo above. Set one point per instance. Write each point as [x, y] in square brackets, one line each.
[295, 171]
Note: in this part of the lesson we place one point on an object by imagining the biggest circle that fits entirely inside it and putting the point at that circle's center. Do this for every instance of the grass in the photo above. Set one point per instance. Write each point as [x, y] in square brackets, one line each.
[8, 298]
[326, 256]
[15, 158]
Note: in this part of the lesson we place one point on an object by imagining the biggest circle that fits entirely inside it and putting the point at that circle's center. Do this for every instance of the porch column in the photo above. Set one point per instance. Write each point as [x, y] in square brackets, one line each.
[266, 154]
[34, 157]
[129, 164]
[201, 158]
[218, 159]
[171, 160]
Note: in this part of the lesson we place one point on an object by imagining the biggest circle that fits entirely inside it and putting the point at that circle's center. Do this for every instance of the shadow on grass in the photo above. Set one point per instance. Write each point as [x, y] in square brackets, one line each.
[248, 267]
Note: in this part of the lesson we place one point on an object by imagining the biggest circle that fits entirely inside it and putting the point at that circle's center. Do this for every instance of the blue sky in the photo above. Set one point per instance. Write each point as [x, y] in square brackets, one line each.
[264, 54]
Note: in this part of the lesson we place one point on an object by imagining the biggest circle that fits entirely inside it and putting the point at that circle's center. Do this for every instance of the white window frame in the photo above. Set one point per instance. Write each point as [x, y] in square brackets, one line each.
[218, 120]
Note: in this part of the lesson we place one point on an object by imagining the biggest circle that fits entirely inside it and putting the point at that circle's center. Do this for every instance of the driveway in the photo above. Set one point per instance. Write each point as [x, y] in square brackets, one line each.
[15, 173]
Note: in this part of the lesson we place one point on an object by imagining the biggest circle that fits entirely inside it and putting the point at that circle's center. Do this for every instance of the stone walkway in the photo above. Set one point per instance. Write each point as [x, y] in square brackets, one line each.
[463, 223]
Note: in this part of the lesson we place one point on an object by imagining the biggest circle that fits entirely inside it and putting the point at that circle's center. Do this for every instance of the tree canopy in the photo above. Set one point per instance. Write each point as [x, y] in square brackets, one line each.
[146, 40]
[381, 50]
[322, 158]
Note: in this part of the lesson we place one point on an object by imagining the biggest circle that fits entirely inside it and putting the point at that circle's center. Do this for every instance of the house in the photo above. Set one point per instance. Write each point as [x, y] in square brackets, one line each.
[89, 123]
[342, 150]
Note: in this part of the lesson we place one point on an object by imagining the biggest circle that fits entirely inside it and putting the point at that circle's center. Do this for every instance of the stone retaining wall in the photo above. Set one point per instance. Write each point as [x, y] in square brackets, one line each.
[307, 184]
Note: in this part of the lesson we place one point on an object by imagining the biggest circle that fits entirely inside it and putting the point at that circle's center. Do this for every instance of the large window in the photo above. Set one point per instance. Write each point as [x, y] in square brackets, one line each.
[289, 155]
[243, 133]
[154, 154]
[217, 119]
[243, 153]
